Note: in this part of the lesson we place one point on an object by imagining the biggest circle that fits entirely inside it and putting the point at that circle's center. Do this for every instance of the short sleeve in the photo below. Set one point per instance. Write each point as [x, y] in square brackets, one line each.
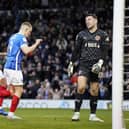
[23, 42]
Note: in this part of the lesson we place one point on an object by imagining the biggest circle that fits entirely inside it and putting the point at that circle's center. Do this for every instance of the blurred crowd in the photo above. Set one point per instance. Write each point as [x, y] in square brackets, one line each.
[45, 71]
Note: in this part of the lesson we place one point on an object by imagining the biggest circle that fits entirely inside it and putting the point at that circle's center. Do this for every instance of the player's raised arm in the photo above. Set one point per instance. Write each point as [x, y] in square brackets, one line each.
[25, 30]
[28, 49]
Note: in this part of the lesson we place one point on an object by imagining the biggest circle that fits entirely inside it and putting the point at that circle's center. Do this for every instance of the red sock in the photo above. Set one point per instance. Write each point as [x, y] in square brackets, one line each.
[1, 101]
[4, 92]
[2, 88]
[1, 98]
[14, 103]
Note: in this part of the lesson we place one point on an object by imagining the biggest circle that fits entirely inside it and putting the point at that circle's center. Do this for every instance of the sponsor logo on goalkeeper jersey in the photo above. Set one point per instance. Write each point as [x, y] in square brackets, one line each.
[92, 44]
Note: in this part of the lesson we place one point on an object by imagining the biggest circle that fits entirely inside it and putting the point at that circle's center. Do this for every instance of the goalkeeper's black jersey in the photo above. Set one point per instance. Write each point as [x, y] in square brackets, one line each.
[90, 46]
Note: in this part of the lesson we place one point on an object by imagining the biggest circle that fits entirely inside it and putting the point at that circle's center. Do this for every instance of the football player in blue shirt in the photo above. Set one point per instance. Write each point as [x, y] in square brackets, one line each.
[17, 48]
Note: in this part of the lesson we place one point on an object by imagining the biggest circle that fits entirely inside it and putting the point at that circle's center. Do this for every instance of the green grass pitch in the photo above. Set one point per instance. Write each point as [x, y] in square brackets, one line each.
[57, 119]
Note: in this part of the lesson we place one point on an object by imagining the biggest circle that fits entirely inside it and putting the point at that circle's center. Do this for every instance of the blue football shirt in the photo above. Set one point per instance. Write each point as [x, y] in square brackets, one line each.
[14, 52]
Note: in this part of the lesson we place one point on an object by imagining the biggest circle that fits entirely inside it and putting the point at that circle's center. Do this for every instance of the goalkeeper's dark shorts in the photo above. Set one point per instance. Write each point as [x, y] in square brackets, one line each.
[85, 70]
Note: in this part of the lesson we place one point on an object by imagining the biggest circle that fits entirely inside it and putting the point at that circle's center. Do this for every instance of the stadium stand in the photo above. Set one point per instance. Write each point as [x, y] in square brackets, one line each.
[45, 73]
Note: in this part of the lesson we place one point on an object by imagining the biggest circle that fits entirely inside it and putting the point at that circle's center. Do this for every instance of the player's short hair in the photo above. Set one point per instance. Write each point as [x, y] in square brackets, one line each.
[26, 24]
[91, 14]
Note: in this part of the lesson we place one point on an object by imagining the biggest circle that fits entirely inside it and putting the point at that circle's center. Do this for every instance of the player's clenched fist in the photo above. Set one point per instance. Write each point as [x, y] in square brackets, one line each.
[38, 41]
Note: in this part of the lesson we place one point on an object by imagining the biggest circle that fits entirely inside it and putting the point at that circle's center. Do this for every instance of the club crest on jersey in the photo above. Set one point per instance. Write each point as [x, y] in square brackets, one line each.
[97, 37]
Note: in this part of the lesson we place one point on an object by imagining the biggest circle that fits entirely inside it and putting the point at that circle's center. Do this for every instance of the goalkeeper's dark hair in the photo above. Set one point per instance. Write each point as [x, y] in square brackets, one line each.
[91, 14]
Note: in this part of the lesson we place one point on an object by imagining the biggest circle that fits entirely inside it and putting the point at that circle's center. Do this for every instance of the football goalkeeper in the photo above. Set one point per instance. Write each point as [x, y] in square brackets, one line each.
[90, 45]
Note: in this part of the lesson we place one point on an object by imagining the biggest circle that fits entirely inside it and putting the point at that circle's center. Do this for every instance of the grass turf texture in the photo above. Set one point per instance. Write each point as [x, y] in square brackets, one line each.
[57, 119]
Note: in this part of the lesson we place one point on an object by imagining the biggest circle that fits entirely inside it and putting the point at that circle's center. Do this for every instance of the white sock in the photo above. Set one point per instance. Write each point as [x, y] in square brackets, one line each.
[10, 113]
[92, 115]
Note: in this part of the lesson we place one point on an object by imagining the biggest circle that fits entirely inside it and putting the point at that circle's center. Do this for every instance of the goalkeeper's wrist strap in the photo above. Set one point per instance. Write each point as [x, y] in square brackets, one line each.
[71, 63]
[100, 63]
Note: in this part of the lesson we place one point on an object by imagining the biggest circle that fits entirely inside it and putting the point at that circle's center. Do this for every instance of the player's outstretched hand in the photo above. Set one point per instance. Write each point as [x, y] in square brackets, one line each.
[96, 68]
[70, 69]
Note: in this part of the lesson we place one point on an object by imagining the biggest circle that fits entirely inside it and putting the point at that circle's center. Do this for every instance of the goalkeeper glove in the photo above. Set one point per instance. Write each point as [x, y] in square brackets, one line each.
[96, 68]
[70, 69]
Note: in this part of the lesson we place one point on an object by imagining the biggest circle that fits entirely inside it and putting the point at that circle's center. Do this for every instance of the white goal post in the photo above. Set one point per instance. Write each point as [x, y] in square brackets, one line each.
[117, 78]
